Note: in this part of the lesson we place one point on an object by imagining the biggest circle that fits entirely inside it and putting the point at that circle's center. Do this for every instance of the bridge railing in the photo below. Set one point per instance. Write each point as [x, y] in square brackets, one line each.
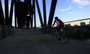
[78, 22]
[79, 29]
[75, 29]
[5, 31]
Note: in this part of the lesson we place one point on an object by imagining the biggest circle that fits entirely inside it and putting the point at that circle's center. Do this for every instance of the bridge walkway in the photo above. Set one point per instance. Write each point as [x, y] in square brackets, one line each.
[34, 42]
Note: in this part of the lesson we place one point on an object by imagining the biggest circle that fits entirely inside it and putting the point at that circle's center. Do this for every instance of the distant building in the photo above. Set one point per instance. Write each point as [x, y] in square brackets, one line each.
[67, 25]
[82, 23]
[75, 25]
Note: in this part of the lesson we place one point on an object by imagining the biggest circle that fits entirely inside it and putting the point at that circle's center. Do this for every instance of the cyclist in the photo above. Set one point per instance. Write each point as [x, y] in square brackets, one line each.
[60, 25]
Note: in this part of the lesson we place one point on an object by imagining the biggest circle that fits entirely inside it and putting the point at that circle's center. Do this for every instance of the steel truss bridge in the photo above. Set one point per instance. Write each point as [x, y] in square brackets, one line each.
[25, 13]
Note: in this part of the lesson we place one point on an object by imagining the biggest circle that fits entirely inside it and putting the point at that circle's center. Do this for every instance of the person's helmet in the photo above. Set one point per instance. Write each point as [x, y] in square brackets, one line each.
[56, 17]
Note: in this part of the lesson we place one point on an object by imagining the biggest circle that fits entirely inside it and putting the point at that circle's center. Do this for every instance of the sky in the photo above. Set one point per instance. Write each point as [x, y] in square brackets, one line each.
[66, 10]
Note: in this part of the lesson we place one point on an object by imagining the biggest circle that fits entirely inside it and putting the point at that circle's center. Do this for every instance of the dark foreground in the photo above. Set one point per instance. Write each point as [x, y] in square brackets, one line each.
[33, 42]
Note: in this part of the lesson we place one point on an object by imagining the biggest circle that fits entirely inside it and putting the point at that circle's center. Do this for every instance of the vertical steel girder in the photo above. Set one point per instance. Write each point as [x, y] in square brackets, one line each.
[2, 20]
[11, 12]
[44, 12]
[53, 5]
[29, 11]
[26, 9]
[29, 5]
[28, 18]
[39, 13]
[31, 21]
[34, 14]
[30, 24]
[15, 12]
[6, 12]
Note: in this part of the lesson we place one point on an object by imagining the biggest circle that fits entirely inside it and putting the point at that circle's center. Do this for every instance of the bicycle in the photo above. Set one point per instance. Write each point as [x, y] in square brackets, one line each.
[63, 35]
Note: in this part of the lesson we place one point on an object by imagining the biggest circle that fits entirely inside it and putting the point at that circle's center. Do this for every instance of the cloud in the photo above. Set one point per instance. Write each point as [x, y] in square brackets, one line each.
[71, 13]
[66, 9]
[82, 2]
[67, 1]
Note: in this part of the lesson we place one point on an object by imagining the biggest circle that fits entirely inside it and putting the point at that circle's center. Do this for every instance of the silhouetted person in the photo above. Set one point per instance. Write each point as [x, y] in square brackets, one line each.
[60, 25]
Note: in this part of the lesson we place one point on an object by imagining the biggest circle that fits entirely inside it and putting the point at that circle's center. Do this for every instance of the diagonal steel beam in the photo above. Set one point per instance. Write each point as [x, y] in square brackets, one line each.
[52, 10]
[34, 14]
[2, 20]
[39, 13]
[16, 12]
[44, 12]
[11, 12]
[6, 11]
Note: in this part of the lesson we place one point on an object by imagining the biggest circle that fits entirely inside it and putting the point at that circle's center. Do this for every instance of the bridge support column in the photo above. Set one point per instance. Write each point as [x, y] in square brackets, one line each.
[15, 13]
[44, 12]
[52, 10]
[6, 12]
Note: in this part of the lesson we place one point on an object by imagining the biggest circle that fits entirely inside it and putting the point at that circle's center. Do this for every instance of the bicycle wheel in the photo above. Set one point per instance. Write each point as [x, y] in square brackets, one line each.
[64, 37]
[54, 36]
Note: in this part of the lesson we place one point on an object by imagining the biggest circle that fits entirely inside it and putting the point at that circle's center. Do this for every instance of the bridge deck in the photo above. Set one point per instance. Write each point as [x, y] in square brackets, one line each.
[33, 42]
